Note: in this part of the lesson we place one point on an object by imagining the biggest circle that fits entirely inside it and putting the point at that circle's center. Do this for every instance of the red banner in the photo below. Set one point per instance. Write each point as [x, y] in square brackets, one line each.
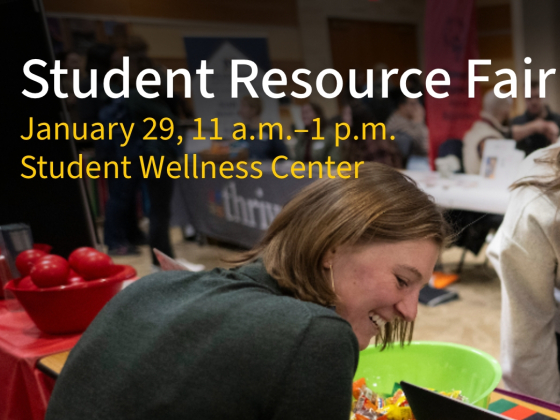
[449, 44]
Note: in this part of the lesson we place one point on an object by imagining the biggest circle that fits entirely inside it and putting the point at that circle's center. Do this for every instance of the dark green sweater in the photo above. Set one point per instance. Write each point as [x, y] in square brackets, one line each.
[225, 344]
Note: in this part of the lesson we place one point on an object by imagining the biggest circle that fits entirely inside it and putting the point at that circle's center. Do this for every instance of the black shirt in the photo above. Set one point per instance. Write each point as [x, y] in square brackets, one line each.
[536, 141]
[212, 345]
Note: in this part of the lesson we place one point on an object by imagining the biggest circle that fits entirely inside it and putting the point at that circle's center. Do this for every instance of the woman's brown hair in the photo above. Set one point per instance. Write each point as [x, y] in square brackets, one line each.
[381, 204]
[545, 184]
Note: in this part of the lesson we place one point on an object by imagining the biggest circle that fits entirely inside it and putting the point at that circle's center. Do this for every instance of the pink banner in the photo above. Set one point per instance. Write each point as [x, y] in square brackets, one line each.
[449, 42]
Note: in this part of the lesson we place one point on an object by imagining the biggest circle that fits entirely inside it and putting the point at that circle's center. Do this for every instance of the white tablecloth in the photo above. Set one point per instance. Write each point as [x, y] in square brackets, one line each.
[464, 192]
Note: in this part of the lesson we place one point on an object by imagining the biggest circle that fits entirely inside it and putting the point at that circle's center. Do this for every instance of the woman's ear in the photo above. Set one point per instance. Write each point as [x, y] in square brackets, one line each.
[328, 258]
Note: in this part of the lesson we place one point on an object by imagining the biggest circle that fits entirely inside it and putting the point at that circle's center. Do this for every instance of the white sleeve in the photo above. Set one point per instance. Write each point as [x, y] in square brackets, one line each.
[526, 264]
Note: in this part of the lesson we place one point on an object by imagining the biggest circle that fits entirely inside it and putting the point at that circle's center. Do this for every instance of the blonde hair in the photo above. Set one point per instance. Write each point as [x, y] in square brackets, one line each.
[381, 204]
[494, 105]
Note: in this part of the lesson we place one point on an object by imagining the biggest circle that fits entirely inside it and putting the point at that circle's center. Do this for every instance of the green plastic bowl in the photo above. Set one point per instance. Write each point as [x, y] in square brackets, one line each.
[441, 366]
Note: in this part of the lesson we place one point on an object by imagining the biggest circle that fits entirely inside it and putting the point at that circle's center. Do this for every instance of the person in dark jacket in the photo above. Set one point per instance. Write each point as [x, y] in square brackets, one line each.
[160, 189]
[277, 337]
[121, 232]
[537, 111]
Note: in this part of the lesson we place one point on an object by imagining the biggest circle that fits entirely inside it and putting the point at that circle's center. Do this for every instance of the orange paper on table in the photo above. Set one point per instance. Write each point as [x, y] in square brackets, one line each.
[441, 280]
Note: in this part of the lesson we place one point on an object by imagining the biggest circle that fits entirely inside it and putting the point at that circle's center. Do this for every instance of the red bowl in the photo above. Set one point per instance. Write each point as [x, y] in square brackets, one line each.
[70, 308]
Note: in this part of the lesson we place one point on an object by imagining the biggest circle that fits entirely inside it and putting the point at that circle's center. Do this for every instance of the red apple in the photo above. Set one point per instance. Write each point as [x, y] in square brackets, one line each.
[26, 259]
[77, 254]
[49, 272]
[94, 265]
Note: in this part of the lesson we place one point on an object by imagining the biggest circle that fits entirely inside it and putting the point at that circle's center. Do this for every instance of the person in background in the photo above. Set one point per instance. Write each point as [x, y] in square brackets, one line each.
[537, 111]
[160, 190]
[381, 107]
[307, 149]
[407, 124]
[525, 253]
[493, 125]
[121, 231]
[366, 148]
[136, 47]
[265, 148]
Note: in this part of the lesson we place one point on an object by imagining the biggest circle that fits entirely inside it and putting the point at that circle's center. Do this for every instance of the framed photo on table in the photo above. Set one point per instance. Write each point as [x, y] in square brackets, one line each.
[500, 160]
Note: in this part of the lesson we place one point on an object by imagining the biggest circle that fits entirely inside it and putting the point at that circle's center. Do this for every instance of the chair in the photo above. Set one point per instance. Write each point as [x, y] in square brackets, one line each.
[473, 227]
[452, 147]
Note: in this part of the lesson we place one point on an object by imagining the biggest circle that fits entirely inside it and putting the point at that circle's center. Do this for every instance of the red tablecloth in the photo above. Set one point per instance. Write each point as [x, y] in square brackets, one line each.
[24, 390]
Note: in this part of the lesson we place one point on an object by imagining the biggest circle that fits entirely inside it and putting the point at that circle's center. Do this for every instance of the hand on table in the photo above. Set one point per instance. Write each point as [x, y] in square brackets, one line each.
[551, 131]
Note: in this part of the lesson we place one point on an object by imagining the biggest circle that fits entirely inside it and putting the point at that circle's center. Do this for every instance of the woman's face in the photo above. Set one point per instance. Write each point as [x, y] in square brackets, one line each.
[307, 115]
[377, 283]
